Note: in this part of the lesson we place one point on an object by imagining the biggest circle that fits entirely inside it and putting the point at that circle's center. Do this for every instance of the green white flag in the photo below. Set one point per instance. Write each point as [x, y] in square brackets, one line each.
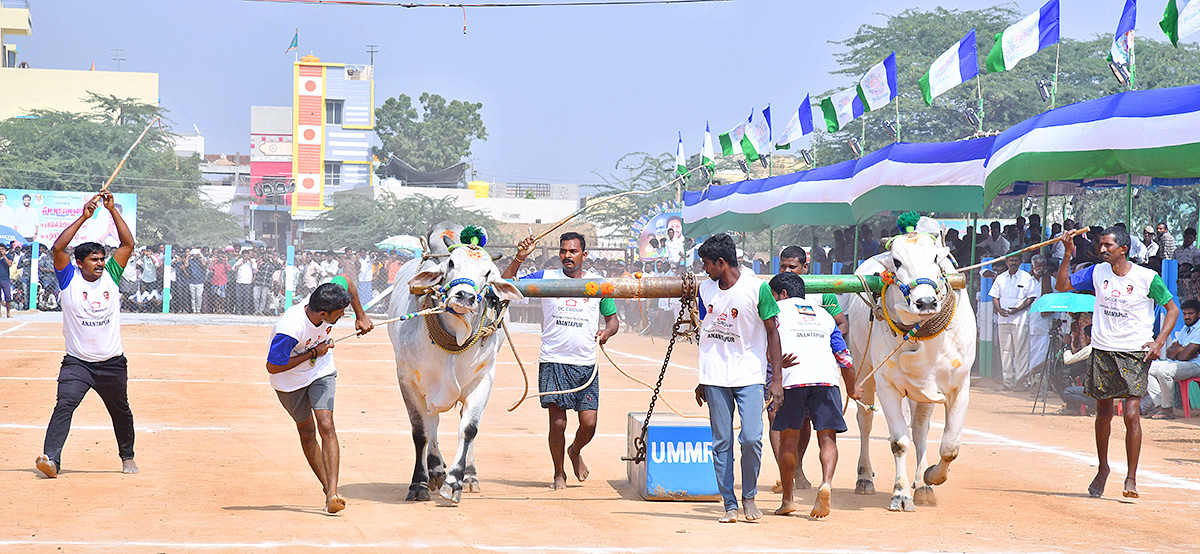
[878, 87]
[734, 137]
[1024, 38]
[706, 151]
[680, 161]
[841, 108]
[757, 140]
[1181, 19]
[954, 67]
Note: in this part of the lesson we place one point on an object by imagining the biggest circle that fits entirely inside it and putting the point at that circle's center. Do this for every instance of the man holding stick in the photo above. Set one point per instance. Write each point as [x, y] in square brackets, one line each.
[91, 305]
[1123, 344]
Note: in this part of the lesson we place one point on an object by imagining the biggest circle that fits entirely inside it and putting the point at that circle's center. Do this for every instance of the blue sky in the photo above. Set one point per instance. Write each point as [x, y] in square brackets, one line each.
[565, 91]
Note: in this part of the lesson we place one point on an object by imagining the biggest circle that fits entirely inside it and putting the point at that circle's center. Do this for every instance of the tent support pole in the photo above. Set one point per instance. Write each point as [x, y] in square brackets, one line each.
[1128, 201]
[1045, 210]
[771, 250]
[854, 262]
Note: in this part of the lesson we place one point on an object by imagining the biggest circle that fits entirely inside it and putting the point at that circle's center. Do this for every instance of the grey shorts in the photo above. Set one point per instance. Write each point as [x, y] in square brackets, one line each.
[301, 402]
[552, 377]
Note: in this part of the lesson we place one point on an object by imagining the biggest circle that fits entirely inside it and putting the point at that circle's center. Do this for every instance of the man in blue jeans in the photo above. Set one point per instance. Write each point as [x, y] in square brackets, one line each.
[738, 338]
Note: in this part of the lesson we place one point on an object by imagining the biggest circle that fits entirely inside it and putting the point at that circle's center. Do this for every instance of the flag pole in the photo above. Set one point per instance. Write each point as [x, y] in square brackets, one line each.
[897, 118]
[1054, 79]
[979, 90]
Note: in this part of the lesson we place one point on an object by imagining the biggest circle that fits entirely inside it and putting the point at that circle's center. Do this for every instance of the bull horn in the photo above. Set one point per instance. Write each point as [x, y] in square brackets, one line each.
[447, 240]
[497, 256]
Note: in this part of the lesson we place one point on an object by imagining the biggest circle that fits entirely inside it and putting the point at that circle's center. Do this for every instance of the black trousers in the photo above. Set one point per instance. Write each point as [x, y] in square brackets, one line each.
[110, 379]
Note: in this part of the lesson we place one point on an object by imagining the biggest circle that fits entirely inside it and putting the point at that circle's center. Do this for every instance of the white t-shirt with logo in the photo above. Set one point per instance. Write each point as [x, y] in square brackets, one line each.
[1123, 320]
[733, 338]
[805, 330]
[1012, 290]
[295, 334]
[91, 312]
[569, 325]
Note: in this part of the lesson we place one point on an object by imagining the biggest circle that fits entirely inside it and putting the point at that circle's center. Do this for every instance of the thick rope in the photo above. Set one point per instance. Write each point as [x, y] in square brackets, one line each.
[648, 386]
[525, 395]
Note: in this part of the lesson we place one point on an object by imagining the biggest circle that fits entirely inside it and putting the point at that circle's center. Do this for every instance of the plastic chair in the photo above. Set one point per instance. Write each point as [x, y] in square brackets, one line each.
[1183, 395]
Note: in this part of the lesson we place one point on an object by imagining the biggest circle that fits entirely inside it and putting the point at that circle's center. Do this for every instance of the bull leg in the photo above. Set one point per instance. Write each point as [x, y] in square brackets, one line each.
[471, 413]
[921, 414]
[418, 489]
[433, 458]
[893, 411]
[956, 416]
[866, 418]
[470, 479]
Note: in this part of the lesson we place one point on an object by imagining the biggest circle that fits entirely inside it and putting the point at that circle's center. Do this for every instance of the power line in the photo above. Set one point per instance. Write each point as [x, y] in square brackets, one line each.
[101, 178]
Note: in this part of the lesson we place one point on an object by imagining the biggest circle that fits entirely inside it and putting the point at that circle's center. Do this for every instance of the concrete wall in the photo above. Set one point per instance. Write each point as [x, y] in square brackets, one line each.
[62, 89]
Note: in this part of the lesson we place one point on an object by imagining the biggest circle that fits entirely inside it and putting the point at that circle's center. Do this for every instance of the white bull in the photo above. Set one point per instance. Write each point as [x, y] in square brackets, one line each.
[935, 370]
[432, 380]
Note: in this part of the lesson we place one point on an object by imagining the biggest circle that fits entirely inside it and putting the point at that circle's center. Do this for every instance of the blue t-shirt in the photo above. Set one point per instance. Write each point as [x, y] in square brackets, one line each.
[5, 264]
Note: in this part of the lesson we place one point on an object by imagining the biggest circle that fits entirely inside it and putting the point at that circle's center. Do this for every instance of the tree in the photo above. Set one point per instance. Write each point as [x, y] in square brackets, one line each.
[440, 138]
[56, 150]
[359, 222]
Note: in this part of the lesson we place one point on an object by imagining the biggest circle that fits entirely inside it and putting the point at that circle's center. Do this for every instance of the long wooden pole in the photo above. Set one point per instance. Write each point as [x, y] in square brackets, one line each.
[124, 158]
[1024, 250]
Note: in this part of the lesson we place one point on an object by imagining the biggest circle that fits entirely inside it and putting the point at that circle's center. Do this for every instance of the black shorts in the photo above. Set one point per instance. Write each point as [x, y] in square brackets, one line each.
[556, 377]
[821, 403]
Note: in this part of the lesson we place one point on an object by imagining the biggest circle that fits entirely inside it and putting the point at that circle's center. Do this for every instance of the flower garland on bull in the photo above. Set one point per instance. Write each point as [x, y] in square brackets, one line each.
[907, 224]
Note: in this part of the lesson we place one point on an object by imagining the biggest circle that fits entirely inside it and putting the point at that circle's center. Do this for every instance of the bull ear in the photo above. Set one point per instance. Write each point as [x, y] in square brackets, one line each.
[505, 290]
[427, 278]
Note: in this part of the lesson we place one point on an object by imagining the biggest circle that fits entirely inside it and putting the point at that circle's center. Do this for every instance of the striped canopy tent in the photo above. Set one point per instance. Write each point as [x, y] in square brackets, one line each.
[1149, 137]
[901, 176]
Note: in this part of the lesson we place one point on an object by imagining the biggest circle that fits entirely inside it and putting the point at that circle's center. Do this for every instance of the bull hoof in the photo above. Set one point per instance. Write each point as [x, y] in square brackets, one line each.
[902, 503]
[417, 492]
[453, 494]
[936, 475]
[923, 496]
[471, 484]
[864, 486]
[436, 480]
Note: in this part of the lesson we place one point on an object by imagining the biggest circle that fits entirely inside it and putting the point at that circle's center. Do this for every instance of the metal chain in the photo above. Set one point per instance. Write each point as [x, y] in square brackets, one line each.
[687, 316]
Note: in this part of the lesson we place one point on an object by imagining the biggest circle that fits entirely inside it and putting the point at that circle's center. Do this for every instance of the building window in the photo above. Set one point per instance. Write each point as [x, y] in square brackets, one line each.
[333, 112]
[333, 174]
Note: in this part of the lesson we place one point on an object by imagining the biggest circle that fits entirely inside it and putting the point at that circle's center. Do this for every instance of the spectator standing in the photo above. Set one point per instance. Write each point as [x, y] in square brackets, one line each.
[366, 276]
[6, 292]
[1150, 246]
[1123, 343]
[1012, 293]
[219, 282]
[243, 289]
[312, 273]
[147, 271]
[1181, 362]
[264, 275]
[738, 338]
[1189, 254]
[1166, 242]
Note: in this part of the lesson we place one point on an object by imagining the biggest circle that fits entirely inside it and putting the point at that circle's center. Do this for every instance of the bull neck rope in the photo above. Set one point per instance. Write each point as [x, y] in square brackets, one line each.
[932, 327]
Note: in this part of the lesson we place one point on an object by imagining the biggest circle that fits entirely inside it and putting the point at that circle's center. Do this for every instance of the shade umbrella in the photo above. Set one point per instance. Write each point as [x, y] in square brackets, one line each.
[407, 243]
[1064, 302]
[8, 235]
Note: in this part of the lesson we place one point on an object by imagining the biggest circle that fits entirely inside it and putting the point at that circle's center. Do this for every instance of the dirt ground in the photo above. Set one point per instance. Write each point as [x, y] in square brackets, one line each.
[222, 470]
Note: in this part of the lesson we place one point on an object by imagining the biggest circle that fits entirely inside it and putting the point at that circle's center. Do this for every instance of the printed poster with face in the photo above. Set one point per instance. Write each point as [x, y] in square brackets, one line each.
[43, 214]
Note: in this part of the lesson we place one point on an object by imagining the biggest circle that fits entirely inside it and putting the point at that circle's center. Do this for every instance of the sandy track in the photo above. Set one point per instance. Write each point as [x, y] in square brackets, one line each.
[222, 469]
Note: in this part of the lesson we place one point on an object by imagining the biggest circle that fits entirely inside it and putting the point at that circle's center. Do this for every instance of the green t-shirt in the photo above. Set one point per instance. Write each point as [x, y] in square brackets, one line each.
[114, 270]
[830, 303]
[608, 307]
[767, 307]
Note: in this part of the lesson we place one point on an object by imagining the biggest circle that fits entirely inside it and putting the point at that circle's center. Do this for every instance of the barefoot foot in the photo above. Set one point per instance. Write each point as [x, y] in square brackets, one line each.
[1130, 488]
[787, 508]
[334, 504]
[777, 487]
[47, 467]
[1096, 489]
[729, 517]
[753, 514]
[127, 466]
[560, 482]
[581, 469]
[821, 506]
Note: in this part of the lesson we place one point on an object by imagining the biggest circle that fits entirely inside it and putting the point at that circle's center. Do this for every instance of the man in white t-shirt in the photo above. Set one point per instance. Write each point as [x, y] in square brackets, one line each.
[243, 284]
[1181, 361]
[814, 352]
[91, 306]
[570, 333]
[304, 377]
[1012, 293]
[738, 338]
[1123, 342]
[27, 218]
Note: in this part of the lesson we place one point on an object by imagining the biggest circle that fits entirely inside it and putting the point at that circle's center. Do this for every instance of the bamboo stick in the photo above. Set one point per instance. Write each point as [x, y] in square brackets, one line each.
[1029, 248]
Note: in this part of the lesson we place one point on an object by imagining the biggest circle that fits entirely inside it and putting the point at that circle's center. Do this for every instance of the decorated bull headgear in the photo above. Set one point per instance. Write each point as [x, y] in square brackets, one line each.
[473, 238]
[907, 223]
